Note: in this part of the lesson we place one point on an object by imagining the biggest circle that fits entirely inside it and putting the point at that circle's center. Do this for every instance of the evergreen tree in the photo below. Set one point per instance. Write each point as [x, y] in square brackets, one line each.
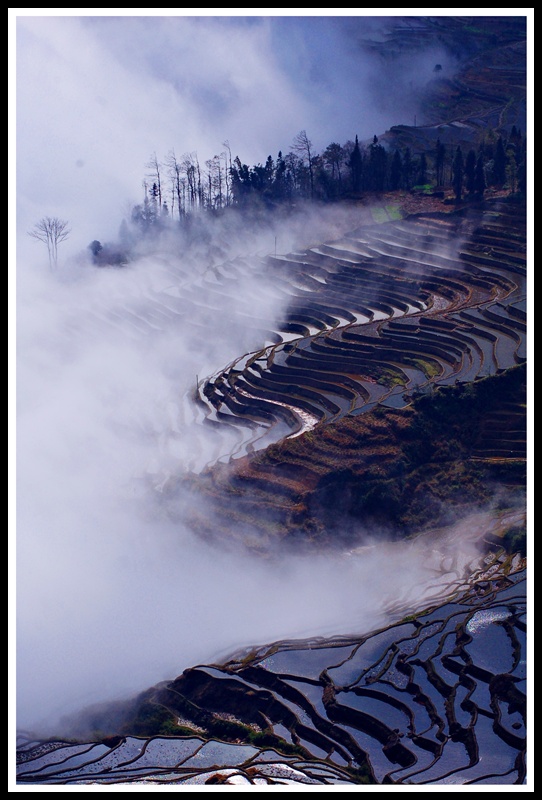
[487, 148]
[377, 166]
[457, 174]
[241, 183]
[154, 165]
[421, 177]
[470, 172]
[440, 155]
[144, 215]
[514, 139]
[479, 176]
[512, 172]
[334, 157]
[269, 174]
[155, 197]
[499, 163]
[408, 168]
[279, 181]
[294, 175]
[95, 248]
[355, 164]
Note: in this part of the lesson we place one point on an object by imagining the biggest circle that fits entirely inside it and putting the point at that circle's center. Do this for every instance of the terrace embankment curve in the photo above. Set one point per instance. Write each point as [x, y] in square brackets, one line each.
[379, 322]
[434, 697]
[384, 312]
[395, 383]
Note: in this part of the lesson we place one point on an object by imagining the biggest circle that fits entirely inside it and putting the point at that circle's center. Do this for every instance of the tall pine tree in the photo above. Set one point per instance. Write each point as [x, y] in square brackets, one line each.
[355, 166]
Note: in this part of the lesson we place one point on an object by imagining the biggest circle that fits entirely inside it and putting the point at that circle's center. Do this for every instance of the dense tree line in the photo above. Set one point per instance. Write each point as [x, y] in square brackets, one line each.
[176, 187]
[498, 163]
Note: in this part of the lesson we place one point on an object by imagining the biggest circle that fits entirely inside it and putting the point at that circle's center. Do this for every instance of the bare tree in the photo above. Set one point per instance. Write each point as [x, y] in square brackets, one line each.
[155, 165]
[303, 145]
[227, 170]
[191, 168]
[51, 231]
[215, 179]
[175, 167]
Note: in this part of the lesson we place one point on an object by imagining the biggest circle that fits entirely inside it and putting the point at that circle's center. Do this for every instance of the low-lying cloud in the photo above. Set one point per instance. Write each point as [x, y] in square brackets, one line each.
[112, 594]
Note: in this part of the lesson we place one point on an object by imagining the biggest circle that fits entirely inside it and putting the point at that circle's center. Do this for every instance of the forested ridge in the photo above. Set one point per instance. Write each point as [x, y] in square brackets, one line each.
[469, 141]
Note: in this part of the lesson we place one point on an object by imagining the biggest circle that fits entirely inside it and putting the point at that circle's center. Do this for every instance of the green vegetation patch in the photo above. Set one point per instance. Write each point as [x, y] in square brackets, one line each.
[425, 188]
[394, 212]
[379, 214]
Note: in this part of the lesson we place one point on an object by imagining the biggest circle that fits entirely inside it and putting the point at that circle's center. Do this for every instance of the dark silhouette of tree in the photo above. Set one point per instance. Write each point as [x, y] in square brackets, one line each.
[470, 172]
[499, 163]
[326, 187]
[95, 248]
[174, 168]
[377, 166]
[295, 175]
[421, 177]
[241, 183]
[269, 175]
[515, 138]
[51, 231]
[355, 163]
[228, 165]
[190, 165]
[258, 178]
[480, 176]
[303, 146]
[108, 255]
[487, 147]
[408, 168]
[155, 198]
[215, 182]
[154, 165]
[440, 155]
[511, 171]
[144, 216]
[457, 174]
[333, 157]
[279, 179]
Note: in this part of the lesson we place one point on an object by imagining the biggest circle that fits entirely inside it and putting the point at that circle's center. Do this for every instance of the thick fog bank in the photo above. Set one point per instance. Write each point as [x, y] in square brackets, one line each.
[112, 596]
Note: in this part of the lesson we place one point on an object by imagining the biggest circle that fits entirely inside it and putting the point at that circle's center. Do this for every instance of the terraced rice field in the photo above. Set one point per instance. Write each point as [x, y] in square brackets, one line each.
[374, 318]
[437, 697]
[385, 314]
